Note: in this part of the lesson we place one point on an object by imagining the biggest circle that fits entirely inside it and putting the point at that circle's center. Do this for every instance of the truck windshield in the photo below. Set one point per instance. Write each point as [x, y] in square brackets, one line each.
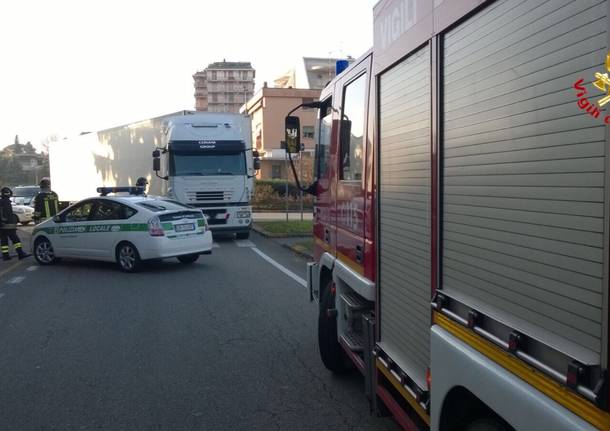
[25, 192]
[207, 164]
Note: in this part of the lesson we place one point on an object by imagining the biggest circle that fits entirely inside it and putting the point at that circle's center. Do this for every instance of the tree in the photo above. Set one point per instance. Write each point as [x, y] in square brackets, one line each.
[28, 148]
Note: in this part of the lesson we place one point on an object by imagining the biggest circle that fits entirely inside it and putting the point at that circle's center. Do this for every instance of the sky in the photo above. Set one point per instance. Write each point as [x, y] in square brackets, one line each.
[73, 66]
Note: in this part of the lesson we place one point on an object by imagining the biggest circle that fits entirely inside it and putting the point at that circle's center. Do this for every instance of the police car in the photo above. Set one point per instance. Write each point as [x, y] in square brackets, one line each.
[126, 229]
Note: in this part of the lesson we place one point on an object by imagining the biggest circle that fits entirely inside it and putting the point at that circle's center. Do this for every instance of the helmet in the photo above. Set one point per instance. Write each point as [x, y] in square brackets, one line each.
[45, 183]
[141, 182]
[6, 192]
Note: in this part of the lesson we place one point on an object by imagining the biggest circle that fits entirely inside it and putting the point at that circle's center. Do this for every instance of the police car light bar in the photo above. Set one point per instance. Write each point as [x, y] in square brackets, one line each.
[103, 191]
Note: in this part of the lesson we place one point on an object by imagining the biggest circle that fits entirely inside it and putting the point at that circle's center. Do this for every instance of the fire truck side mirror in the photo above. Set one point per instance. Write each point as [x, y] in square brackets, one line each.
[256, 163]
[156, 164]
[293, 134]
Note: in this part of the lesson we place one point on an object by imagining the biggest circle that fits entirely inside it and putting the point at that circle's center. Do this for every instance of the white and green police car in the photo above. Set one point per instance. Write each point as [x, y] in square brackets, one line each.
[126, 229]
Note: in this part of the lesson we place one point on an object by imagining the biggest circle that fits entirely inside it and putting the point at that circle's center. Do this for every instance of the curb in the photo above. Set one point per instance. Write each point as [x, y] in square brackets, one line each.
[267, 234]
[300, 253]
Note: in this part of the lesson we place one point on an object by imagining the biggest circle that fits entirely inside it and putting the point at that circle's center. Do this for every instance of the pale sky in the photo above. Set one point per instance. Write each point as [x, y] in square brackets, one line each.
[72, 66]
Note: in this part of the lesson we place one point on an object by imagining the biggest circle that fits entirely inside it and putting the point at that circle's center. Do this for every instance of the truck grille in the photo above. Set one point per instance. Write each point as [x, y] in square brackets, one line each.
[208, 196]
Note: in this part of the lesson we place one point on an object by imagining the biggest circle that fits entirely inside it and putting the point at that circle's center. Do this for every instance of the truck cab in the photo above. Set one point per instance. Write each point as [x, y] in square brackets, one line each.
[208, 163]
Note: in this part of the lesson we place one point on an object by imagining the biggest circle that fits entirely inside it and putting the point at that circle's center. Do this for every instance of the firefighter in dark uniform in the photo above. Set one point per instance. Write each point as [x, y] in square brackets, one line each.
[46, 202]
[141, 183]
[8, 229]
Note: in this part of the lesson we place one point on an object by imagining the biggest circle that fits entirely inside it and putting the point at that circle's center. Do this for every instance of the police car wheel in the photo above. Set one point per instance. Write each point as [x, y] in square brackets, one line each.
[43, 252]
[188, 258]
[127, 257]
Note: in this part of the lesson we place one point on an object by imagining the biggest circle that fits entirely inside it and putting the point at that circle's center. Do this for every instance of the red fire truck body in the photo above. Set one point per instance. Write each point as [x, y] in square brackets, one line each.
[461, 220]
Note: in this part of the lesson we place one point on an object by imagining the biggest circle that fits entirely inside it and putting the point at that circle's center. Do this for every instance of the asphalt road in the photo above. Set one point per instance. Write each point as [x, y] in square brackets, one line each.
[228, 343]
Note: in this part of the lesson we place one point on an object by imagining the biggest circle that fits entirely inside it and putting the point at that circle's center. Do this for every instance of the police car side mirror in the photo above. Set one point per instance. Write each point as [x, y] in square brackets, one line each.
[57, 219]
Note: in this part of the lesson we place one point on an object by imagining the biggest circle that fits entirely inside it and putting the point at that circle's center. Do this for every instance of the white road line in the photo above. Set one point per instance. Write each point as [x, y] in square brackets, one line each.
[282, 268]
[16, 280]
[31, 268]
[215, 245]
[244, 243]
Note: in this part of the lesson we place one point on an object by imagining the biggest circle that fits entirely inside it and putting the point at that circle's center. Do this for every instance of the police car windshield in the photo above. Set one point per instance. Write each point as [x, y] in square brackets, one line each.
[158, 205]
[207, 164]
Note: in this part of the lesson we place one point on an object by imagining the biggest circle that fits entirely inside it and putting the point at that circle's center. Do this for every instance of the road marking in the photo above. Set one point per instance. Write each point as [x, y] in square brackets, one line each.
[244, 243]
[282, 268]
[31, 268]
[11, 267]
[215, 245]
[16, 280]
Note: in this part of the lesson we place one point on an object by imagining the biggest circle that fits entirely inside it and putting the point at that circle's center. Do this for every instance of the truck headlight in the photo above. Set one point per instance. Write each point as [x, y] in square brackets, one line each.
[243, 214]
[19, 210]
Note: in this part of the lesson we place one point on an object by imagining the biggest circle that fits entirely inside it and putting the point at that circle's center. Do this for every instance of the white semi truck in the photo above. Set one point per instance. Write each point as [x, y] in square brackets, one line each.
[202, 159]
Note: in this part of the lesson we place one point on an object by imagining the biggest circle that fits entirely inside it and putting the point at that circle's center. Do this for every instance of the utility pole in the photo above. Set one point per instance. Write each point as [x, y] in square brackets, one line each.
[301, 178]
[286, 182]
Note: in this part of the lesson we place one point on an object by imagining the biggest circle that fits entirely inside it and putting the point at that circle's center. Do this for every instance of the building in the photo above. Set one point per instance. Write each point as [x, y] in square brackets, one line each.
[29, 161]
[309, 72]
[267, 109]
[223, 86]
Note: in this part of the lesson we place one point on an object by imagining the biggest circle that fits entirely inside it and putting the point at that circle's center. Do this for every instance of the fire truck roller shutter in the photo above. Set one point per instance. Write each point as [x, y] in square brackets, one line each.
[523, 170]
[404, 216]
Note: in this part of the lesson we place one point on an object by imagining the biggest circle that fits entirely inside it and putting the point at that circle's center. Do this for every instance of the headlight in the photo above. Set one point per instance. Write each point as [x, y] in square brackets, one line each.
[18, 210]
[243, 214]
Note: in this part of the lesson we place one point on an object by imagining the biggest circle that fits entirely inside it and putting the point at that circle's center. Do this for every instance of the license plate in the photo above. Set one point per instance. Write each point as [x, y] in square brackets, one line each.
[184, 227]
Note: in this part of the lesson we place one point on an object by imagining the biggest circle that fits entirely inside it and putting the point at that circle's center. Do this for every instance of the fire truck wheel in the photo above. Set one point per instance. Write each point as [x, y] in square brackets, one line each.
[330, 350]
[487, 424]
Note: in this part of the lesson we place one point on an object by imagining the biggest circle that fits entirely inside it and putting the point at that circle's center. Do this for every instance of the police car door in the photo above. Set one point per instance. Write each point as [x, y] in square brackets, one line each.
[72, 237]
[105, 223]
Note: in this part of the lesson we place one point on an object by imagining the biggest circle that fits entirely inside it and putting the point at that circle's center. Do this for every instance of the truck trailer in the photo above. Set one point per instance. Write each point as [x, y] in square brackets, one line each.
[204, 160]
[461, 215]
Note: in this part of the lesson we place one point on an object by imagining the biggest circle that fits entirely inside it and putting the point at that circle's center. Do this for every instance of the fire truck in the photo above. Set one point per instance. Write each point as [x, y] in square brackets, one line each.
[461, 215]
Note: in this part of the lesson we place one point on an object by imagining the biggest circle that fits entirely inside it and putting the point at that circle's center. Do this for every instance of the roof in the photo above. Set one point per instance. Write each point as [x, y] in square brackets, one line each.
[230, 65]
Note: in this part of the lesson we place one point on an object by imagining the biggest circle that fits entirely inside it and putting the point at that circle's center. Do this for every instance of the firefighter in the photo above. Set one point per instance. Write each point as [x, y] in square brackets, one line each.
[8, 230]
[46, 202]
[142, 183]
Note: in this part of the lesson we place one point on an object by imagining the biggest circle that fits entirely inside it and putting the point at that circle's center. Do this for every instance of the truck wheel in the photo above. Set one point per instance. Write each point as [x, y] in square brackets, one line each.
[188, 258]
[243, 235]
[331, 352]
[127, 257]
[43, 251]
[14, 219]
[487, 424]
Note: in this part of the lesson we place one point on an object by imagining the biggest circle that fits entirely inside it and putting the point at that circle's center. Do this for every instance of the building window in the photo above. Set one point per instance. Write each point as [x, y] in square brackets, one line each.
[276, 171]
[352, 129]
[214, 75]
[214, 97]
[308, 132]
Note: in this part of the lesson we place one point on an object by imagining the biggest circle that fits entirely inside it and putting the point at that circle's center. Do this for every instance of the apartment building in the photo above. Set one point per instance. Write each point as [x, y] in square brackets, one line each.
[267, 109]
[223, 86]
